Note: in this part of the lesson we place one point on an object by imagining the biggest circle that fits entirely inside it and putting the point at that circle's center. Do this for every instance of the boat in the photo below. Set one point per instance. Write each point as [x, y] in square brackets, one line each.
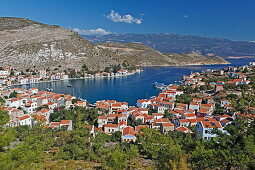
[159, 85]
[69, 85]
[49, 89]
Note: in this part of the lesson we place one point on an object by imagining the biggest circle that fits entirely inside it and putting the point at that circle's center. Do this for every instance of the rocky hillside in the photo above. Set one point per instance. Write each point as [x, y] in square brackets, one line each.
[145, 56]
[25, 43]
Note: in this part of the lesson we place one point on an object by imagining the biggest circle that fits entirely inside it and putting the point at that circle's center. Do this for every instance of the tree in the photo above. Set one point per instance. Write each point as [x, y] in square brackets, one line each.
[4, 118]
[168, 114]
[13, 94]
[84, 66]
[116, 159]
[116, 136]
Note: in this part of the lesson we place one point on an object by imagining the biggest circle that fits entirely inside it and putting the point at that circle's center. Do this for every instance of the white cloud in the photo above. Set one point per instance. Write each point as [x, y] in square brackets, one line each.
[98, 31]
[185, 16]
[116, 17]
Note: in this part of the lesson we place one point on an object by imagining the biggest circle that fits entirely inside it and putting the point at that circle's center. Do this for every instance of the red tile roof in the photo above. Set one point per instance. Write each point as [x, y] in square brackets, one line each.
[24, 117]
[128, 131]
[111, 125]
[65, 122]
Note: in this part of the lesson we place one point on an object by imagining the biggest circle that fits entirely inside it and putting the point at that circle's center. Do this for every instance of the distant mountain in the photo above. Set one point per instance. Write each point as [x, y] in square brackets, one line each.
[141, 55]
[175, 43]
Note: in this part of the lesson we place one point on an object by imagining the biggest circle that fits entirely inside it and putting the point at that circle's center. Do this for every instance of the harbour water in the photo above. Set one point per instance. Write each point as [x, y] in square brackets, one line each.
[130, 88]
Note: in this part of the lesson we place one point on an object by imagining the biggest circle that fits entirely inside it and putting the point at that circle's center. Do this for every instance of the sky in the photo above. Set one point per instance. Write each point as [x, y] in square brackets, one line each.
[232, 19]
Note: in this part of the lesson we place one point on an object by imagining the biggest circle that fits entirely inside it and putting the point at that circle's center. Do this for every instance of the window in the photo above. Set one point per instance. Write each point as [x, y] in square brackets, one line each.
[206, 131]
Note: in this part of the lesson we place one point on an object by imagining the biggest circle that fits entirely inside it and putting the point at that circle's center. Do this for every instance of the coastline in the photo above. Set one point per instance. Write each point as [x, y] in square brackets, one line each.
[128, 74]
[81, 78]
[185, 65]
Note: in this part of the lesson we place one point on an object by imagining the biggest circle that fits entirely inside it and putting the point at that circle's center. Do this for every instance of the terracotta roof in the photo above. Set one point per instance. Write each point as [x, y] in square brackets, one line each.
[167, 124]
[139, 127]
[102, 117]
[122, 123]
[128, 131]
[54, 123]
[65, 122]
[183, 129]
[157, 114]
[111, 125]
[24, 117]
[211, 124]
[184, 120]
[190, 115]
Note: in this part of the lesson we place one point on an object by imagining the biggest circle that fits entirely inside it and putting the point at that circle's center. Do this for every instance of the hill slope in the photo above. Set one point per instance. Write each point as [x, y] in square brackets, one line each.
[139, 54]
[175, 43]
[25, 43]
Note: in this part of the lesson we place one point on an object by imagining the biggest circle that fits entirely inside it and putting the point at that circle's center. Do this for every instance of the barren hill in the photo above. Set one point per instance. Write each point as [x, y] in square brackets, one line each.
[145, 56]
[25, 43]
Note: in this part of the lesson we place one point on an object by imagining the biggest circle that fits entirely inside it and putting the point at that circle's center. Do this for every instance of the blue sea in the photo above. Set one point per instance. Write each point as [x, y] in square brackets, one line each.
[130, 88]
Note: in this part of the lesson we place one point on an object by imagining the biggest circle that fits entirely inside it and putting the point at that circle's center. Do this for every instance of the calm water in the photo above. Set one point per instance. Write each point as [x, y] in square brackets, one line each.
[129, 88]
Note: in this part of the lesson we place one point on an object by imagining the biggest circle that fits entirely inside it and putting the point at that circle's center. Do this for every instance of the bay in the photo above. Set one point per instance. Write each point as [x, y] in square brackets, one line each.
[127, 89]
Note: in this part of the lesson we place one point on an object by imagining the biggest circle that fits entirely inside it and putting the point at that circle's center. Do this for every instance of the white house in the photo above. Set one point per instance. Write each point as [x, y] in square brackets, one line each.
[143, 103]
[224, 102]
[205, 128]
[111, 128]
[194, 106]
[25, 120]
[101, 121]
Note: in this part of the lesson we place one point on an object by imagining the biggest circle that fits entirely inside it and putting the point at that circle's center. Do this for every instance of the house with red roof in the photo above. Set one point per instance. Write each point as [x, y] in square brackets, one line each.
[128, 134]
[138, 116]
[157, 115]
[101, 121]
[122, 125]
[30, 107]
[166, 104]
[111, 128]
[158, 122]
[194, 106]
[143, 103]
[166, 127]
[189, 116]
[182, 122]
[25, 120]
[122, 117]
[183, 129]
[205, 128]
[42, 101]
[14, 102]
[182, 105]
[159, 108]
[143, 110]
[66, 123]
[148, 119]
[139, 128]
